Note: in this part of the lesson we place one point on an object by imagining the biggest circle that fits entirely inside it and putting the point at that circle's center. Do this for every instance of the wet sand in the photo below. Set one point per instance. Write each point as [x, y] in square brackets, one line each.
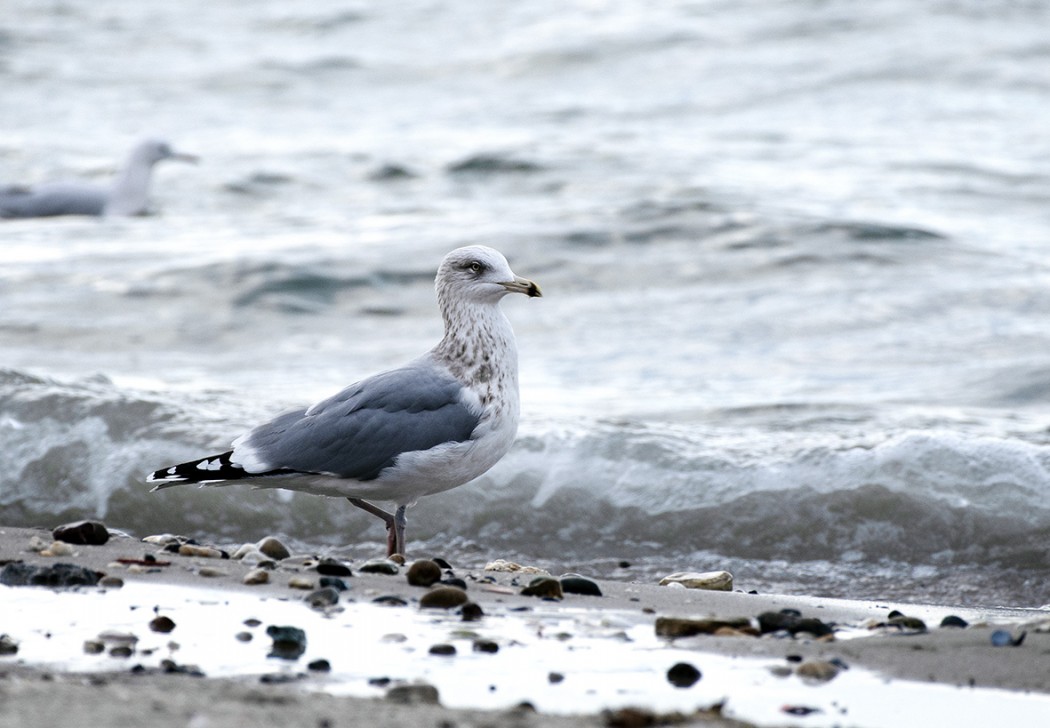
[35, 692]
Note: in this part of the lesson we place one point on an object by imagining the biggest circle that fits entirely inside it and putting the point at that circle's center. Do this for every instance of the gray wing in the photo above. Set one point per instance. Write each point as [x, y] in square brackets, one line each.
[52, 199]
[361, 431]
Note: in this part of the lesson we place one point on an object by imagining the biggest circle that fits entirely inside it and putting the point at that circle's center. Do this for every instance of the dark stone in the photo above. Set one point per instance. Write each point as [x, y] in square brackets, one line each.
[1003, 638]
[8, 645]
[555, 677]
[321, 665]
[173, 668]
[907, 624]
[326, 597]
[56, 575]
[454, 581]
[121, 651]
[390, 600]
[544, 587]
[952, 621]
[332, 567]
[88, 533]
[579, 585]
[790, 621]
[683, 675]
[423, 573]
[333, 582]
[289, 643]
[161, 624]
[443, 649]
[443, 597]
[442, 563]
[472, 612]
[281, 678]
[486, 646]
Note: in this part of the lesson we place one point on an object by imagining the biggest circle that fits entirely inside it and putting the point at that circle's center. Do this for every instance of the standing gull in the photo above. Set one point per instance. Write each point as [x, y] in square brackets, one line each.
[128, 195]
[436, 423]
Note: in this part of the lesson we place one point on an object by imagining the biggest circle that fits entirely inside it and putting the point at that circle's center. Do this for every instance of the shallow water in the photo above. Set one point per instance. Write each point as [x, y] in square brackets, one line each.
[795, 301]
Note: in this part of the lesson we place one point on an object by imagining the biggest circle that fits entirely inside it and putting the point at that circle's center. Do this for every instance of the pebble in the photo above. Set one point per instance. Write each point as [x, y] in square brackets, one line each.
[111, 582]
[56, 575]
[1003, 638]
[273, 548]
[122, 651]
[37, 544]
[210, 571]
[398, 559]
[423, 573]
[443, 649]
[88, 533]
[576, 584]
[390, 600]
[471, 612]
[324, 597]
[333, 567]
[320, 665]
[488, 646]
[93, 647]
[683, 675]
[555, 677]
[817, 671]
[789, 621]
[58, 548]
[709, 580]
[675, 627]
[418, 694]
[333, 581]
[952, 621]
[289, 643]
[510, 566]
[300, 582]
[165, 539]
[256, 576]
[243, 636]
[379, 566]
[454, 581]
[443, 597]
[162, 624]
[912, 625]
[8, 645]
[544, 587]
[205, 552]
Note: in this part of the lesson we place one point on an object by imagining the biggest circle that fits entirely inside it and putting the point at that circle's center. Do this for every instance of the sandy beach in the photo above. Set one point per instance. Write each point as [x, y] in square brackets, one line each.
[627, 630]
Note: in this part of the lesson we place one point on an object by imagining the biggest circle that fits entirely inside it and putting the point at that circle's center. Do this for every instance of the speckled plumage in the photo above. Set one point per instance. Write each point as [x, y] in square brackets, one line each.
[436, 423]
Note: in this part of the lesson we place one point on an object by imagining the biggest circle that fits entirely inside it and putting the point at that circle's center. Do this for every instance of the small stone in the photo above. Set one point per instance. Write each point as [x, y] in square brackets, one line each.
[390, 600]
[93, 647]
[243, 636]
[420, 694]
[379, 566]
[486, 646]
[289, 643]
[444, 649]
[683, 675]
[256, 576]
[544, 587]
[162, 624]
[817, 671]
[443, 597]
[471, 612]
[322, 598]
[37, 544]
[210, 572]
[8, 645]
[454, 581]
[952, 621]
[1003, 638]
[300, 582]
[88, 533]
[907, 624]
[333, 567]
[398, 559]
[423, 573]
[442, 563]
[334, 582]
[709, 580]
[574, 584]
[204, 552]
[111, 582]
[273, 548]
[321, 665]
[555, 677]
[165, 539]
[510, 566]
[122, 651]
[58, 548]
[789, 621]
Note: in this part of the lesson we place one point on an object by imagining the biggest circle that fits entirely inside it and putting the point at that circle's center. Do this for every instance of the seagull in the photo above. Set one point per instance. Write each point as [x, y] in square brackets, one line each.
[128, 195]
[435, 423]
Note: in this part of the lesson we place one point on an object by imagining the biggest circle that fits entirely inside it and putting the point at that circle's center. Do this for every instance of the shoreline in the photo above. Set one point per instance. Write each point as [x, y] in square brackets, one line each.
[620, 623]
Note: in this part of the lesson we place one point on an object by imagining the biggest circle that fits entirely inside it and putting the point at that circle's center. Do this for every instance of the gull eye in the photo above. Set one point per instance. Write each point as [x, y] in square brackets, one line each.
[475, 267]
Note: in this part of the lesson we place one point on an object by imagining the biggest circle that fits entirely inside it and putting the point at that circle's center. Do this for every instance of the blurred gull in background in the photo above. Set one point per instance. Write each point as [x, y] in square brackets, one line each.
[128, 195]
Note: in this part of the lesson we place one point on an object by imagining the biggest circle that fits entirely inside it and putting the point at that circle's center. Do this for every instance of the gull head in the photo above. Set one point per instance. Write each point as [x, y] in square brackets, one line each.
[480, 274]
[151, 151]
